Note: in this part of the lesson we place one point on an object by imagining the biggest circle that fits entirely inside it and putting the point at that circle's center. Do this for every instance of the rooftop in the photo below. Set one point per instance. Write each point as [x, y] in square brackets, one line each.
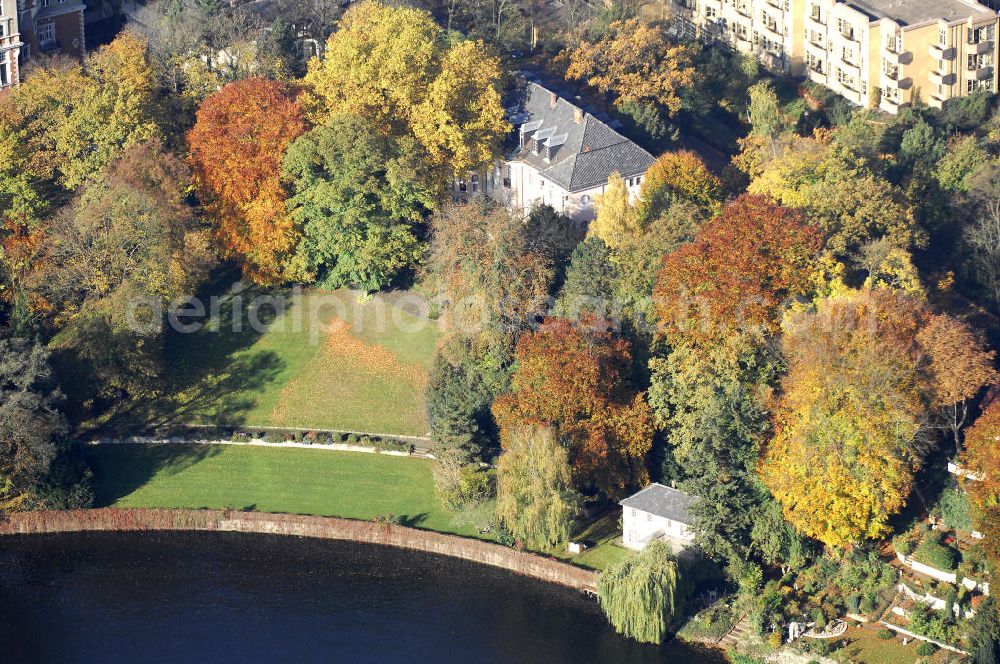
[575, 149]
[914, 12]
[663, 501]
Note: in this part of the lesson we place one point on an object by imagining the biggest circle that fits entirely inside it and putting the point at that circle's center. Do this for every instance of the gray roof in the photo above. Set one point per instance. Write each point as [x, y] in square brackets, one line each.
[915, 12]
[577, 151]
[663, 501]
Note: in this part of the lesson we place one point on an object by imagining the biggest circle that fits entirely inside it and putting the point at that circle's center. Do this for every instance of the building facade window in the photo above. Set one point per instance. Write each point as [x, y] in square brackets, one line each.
[982, 34]
[46, 33]
[980, 61]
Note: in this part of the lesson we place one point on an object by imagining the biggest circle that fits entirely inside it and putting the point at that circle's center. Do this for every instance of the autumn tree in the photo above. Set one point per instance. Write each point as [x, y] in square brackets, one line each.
[959, 367]
[852, 420]
[114, 260]
[636, 64]
[392, 67]
[839, 192]
[677, 176]
[719, 301]
[616, 221]
[536, 500]
[492, 281]
[236, 148]
[70, 119]
[115, 111]
[574, 377]
[359, 203]
[737, 275]
[982, 458]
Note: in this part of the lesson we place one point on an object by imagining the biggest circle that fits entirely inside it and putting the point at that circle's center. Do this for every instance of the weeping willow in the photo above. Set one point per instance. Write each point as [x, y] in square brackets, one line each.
[639, 594]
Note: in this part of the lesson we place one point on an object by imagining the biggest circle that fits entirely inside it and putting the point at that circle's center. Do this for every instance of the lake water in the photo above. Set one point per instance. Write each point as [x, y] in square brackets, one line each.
[216, 597]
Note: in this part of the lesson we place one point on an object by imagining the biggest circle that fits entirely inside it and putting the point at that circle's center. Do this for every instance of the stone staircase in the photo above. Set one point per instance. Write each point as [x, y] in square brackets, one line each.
[733, 636]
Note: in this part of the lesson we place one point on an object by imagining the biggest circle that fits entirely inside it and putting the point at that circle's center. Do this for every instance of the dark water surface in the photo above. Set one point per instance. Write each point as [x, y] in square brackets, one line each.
[215, 597]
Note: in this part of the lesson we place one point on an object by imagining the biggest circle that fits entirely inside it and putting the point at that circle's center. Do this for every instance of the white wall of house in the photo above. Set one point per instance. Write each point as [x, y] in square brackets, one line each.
[529, 188]
[640, 528]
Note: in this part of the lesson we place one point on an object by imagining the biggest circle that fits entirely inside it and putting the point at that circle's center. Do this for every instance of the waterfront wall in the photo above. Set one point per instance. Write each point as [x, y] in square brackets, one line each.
[135, 520]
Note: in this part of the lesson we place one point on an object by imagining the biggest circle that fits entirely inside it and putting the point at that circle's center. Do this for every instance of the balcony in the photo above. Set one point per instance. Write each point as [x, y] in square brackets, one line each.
[982, 73]
[852, 68]
[816, 50]
[939, 52]
[816, 20]
[889, 105]
[941, 78]
[897, 57]
[937, 100]
[816, 76]
[981, 47]
[771, 30]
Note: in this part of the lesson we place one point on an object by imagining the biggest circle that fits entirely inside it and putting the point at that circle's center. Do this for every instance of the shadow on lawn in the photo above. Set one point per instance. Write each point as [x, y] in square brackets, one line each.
[202, 381]
[120, 471]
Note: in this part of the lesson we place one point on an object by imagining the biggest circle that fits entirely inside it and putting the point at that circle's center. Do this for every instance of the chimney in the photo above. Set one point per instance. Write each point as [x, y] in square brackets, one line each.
[553, 99]
[577, 115]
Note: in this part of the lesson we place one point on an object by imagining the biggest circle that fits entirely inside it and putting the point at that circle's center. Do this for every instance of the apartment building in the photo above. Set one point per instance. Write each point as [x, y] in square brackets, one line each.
[10, 44]
[875, 53]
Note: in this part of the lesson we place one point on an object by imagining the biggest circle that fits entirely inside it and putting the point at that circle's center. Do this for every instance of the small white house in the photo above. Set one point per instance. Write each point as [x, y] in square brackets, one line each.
[560, 155]
[657, 511]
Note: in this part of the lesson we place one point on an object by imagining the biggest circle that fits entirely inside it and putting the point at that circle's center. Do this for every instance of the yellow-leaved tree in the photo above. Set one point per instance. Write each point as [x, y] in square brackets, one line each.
[836, 189]
[867, 379]
[393, 67]
[637, 64]
[845, 448]
[617, 221]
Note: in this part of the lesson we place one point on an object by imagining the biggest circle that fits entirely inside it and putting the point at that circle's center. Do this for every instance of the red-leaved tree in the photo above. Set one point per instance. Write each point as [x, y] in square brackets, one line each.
[573, 377]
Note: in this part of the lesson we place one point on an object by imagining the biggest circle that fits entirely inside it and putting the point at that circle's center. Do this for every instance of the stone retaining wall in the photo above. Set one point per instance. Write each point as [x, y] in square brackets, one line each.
[130, 520]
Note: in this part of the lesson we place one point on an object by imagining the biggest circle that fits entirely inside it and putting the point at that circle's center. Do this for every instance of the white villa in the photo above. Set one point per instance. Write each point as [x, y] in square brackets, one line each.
[561, 155]
[657, 511]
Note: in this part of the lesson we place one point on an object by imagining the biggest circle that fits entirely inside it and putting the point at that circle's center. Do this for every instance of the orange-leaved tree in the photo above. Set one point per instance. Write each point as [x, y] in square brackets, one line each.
[960, 365]
[982, 458]
[732, 282]
[236, 151]
[573, 377]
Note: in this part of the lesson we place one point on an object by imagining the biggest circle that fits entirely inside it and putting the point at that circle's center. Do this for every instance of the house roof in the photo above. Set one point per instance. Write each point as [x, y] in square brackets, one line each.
[663, 501]
[577, 150]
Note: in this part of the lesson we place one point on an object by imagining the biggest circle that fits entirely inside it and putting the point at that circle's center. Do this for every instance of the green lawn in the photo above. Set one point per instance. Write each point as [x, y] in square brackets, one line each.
[354, 485]
[347, 484]
[865, 647]
[327, 360]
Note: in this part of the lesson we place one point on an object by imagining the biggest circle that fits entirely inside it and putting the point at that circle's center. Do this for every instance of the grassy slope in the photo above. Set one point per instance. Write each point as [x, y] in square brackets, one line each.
[301, 481]
[326, 362]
